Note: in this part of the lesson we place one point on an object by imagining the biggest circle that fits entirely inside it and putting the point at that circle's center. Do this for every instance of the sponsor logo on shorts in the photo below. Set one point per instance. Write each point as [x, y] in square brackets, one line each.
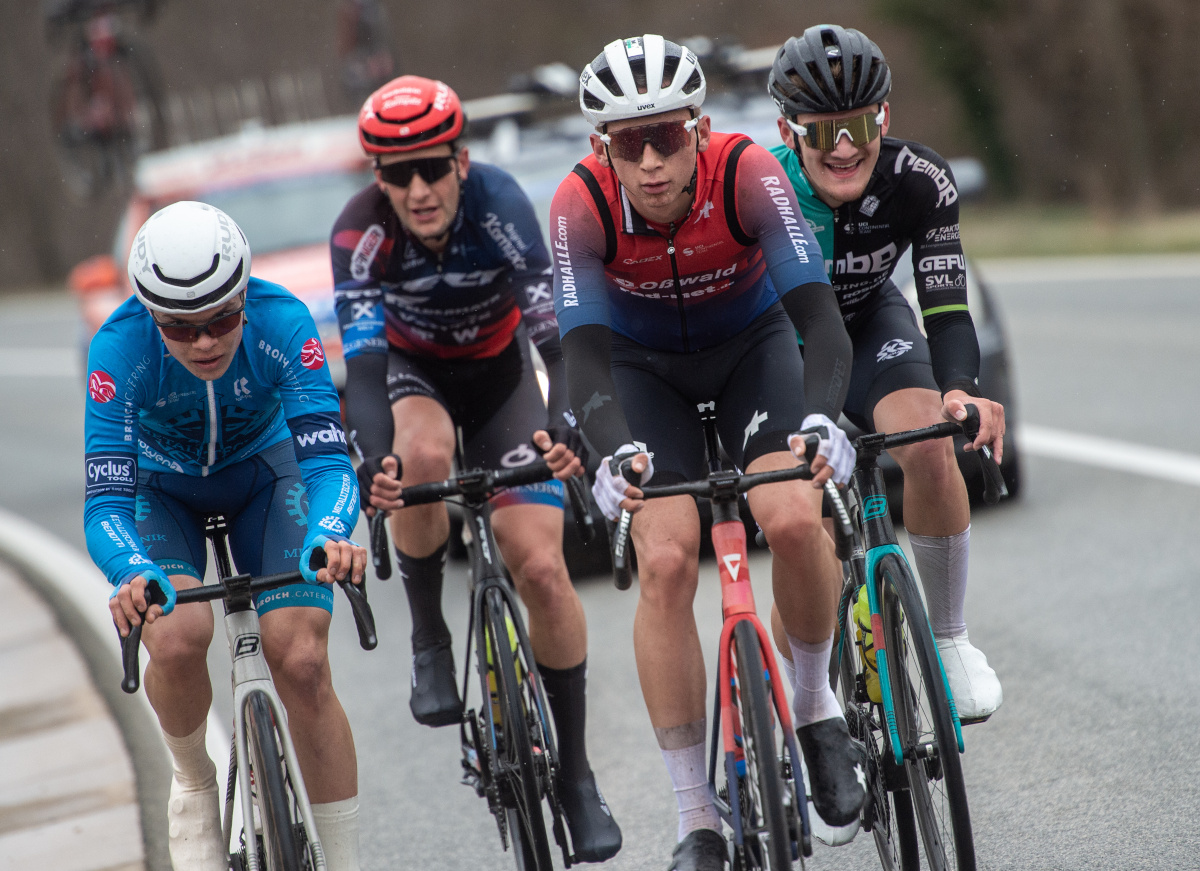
[893, 349]
[101, 387]
[522, 455]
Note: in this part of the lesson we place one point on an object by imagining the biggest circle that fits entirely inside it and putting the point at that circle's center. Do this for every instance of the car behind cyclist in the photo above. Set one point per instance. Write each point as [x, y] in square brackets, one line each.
[683, 269]
[868, 197]
[208, 393]
[441, 281]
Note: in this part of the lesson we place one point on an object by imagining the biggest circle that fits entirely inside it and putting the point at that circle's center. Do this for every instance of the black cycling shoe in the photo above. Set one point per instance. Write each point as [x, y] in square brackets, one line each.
[434, 700]
[701, 850]
[595, 835]
[836, 771]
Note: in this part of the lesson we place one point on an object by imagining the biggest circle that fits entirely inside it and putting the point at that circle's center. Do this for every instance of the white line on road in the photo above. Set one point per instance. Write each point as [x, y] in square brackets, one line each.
[1105, 453]
[39, 363]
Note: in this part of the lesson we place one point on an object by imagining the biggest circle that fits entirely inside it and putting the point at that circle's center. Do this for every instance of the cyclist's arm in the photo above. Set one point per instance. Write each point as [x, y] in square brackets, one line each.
[581, 303]
[940, 271]
[768, 211]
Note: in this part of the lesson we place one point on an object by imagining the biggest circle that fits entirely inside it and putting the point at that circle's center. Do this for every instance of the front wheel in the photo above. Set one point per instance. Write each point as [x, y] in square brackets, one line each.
[765, 824]
[932, 763]
[279, 850]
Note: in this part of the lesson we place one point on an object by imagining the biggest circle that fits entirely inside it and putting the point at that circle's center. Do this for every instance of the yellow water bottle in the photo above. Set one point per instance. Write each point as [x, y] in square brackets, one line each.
[866, 646]
[514, 646]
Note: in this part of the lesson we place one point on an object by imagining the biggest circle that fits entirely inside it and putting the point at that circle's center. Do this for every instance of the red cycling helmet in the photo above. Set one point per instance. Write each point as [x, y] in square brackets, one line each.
[408, 113]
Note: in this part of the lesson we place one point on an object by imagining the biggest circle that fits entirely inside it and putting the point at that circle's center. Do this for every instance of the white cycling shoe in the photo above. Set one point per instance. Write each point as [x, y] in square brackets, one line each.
[830, 836]
[194, 829]
[973, 683]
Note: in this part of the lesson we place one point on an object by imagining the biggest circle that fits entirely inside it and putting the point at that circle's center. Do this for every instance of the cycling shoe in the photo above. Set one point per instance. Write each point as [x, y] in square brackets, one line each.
[434, 700]
[836, 769]
[595, 835]
[701, 850]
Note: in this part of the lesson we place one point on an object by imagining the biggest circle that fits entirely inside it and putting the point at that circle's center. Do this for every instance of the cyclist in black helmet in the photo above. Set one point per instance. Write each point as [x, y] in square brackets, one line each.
[868, 197]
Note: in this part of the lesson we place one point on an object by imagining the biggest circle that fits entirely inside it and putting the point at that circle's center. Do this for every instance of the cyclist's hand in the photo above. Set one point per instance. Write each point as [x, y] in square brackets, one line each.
[612, 492]
[146, 596]
[835, 455]
[379, 484]
[343, 559]
[562, 448]
[991, 419]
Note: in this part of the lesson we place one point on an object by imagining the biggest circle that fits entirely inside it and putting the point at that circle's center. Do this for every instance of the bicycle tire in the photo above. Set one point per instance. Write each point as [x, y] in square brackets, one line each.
[517, 772]
[887, 812]
[762, 807]
[279, 848]
[927, 736]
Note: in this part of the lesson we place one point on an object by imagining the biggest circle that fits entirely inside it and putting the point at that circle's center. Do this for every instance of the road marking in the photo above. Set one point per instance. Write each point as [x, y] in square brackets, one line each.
[1105, 453]
[39, 363]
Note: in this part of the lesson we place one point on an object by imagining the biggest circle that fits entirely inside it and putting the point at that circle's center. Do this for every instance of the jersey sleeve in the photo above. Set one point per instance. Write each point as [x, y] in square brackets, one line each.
[577, 245]
[768, 211]
[311, 407]
[116, 390]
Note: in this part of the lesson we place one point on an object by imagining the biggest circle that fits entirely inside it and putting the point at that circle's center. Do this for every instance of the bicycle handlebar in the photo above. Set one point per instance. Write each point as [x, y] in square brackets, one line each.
[477, 484]
[364, 619]
[380, 558]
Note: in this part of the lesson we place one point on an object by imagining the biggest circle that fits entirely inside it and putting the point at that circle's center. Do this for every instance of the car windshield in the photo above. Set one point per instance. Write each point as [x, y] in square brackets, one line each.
[290, 212]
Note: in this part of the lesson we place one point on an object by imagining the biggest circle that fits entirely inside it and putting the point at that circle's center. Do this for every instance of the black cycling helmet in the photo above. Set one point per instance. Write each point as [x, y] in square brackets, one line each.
[828, 69]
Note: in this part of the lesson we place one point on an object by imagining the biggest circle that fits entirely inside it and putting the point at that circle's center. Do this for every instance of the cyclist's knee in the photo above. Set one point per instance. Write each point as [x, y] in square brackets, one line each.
[178, 646]
[931, 461]
[301, 671]
[794, 535]
[542, 577]
[668, 575]
[426, 460]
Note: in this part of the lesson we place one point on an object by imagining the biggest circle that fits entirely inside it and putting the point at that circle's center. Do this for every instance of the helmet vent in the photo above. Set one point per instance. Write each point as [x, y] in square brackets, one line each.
[693, 83]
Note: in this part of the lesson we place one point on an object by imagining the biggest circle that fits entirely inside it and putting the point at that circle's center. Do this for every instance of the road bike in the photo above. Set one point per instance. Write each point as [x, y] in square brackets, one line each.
[509, 752]
[278, 831]
[752, 719]
[105, 104]
[897, 700]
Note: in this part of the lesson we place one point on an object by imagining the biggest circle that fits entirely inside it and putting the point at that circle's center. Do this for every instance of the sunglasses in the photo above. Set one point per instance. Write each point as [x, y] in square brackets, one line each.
[216, 327]
[825, 135]
[665, 138]
[430, 169]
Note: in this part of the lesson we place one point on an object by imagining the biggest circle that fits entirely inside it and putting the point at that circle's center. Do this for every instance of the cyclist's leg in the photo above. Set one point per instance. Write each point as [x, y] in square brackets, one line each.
[177, 682]
[901, 395]
[266, 537]
[424, 440]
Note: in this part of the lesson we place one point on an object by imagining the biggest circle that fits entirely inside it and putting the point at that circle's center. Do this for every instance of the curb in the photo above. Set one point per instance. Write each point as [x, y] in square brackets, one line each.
[78, 594]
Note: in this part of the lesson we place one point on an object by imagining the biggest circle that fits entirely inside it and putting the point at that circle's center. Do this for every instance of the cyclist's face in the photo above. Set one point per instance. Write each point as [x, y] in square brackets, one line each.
[841, 175]
[206, 358]
[427, 209]
[655, 183]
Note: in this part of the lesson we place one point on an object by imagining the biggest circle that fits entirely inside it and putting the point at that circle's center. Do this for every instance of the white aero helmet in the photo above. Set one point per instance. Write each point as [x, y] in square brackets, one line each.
[644, 75]
[188, 257]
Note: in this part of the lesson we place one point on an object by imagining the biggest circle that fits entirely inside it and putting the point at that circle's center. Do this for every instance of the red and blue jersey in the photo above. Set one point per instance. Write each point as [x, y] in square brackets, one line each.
[691, 285]
[391, 291]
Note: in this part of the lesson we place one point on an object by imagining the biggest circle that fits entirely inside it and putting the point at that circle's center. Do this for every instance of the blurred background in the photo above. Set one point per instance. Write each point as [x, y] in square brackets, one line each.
[1079, 109]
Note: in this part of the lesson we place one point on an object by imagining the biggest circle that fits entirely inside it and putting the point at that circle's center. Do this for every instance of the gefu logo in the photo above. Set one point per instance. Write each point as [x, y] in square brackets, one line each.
[317, 434]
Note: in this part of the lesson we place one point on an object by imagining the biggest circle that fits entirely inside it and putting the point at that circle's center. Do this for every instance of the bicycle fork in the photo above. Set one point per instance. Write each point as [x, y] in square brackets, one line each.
[251, 674]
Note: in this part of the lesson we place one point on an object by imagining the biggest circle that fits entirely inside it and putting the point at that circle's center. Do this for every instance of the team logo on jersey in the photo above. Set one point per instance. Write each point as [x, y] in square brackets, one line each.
[869, 205]
[364, 252]
[893, 349]
[101, 387]
[312, 355]
[703, 212]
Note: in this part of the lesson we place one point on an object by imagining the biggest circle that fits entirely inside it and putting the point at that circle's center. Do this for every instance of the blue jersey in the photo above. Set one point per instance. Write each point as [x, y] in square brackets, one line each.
[146, 411]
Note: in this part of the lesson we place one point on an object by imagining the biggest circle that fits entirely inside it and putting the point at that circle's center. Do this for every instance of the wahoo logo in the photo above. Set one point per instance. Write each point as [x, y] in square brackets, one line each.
[318, 434]
[246, 645]
[875, 506]
[110, 473]
[733, 564]
[465, 335]
[101, 387]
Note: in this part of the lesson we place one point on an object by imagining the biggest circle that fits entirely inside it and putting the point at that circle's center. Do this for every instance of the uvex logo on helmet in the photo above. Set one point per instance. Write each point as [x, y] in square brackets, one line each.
[312, 355]
[101, 387]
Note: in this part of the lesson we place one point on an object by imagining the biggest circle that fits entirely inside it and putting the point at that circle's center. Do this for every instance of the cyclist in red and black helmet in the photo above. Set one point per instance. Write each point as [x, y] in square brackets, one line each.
[442, 280]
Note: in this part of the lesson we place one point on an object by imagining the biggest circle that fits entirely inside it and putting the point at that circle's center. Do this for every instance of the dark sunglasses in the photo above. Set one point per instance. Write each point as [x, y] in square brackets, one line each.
[190, 333]
[430, 169]
[665, 138]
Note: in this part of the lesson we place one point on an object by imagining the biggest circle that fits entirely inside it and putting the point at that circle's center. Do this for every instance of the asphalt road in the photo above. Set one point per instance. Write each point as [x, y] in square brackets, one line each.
[1082, 594]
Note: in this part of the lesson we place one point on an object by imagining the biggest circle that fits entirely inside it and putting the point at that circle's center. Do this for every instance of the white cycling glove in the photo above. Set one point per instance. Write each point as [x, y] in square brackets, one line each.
[609, 489]
[834, 446]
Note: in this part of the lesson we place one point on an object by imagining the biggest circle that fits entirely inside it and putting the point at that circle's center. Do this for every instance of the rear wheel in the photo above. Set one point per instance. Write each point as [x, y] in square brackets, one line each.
[279, 850]
[765, 824]
[517, 771]
[932, 763]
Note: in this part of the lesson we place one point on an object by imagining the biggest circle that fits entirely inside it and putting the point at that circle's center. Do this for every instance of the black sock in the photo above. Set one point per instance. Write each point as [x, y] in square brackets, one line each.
[423, 583]
[566, 691]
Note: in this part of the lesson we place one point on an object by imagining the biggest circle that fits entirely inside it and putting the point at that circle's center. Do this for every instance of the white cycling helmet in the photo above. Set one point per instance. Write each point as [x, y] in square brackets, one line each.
[644, 75]
[187, 258]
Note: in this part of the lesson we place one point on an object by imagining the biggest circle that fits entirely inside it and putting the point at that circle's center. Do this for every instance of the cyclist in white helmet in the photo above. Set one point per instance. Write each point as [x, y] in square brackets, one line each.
[683, 270]
[208, 393]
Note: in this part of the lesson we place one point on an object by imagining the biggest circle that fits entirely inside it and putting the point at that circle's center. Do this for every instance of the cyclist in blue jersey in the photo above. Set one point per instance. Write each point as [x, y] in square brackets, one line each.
[208, 392]
[441, 282]
[869, 197]
[683, 270]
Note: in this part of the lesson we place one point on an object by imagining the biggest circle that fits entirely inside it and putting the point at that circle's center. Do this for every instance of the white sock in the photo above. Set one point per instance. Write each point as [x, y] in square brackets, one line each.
[690, 780]
[337, 828]
[942, 564]
[194, 769]
[813, 699]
